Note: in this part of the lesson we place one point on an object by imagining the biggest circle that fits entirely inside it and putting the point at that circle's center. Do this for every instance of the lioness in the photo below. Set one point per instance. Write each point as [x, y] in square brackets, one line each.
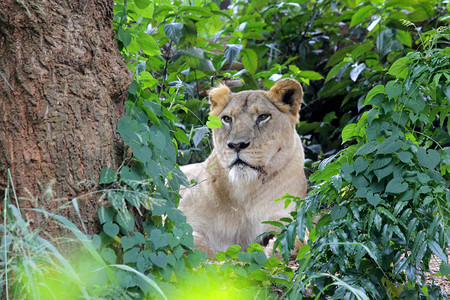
[257, 158]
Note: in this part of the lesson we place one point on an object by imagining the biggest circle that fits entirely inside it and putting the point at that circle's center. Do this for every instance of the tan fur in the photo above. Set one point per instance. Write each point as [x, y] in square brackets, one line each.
[229, 201]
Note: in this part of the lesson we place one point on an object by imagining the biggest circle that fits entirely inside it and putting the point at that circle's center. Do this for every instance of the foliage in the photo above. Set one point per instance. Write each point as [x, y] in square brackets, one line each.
[178, 50]
[36, 268]
[386, 198]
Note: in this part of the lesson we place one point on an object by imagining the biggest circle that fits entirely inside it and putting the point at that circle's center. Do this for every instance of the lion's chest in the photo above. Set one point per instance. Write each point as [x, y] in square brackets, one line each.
[240, 223]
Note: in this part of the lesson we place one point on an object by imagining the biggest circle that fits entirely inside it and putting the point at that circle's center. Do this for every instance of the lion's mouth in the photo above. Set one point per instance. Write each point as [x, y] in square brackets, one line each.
[241, 164]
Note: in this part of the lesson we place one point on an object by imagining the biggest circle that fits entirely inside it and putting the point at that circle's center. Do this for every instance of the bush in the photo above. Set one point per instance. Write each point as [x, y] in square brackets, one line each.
[386, 198]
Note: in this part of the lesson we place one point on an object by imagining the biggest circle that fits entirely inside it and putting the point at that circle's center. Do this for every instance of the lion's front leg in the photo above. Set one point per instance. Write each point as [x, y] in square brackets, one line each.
[202, 245]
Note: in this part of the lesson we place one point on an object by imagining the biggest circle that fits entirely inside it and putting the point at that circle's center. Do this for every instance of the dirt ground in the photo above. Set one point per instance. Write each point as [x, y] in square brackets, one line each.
[443, 282]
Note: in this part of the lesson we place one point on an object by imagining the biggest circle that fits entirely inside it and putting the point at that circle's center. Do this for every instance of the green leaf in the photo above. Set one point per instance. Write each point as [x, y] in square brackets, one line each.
[106, 214]
[373, 199]
[379, 89]
[259, 275]
[197, 10]
[108, 255]
[393, 89]
[148, 44]
[349, 132]
[437, 250]
[196, 59]
[444, 268]
[125, 219]
[142, 152]
[380, 162]
[173, 31]
[141, 4]
[429, 159]
[181, 136]
[127, 242]
[405, 157]
[159, 259]
[232, 52]
[111, 229]
[363, 13]
[414, 102]
[124, 36]
[404, 37]
[310, 75]
[233, 251]
[366, 148]
[338, 212]
[383, 172]
[360, 181]
[389, 145]
[146, 12]
[107, 176]
[260, 258]
[335, 70]
[360, 165]
[396, 186]
[250, 60]
[213, 122]
[116, 199]
[399, 68]
[158, 239]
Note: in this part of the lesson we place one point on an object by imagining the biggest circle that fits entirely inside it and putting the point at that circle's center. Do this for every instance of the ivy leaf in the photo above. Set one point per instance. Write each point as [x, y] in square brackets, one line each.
[108, 255]
[213, 122]
[396, 186]
[159, 259]
[142, 152]
[232, 52]
[260, 258]
[116, 199]
[158, 239]
[373, 199]
[366, 148]
[393, 89]
[338, 212]
[127, 242]
[107, 176]
[429, 160]
[125, 219]
[405, 156]
[173, 31]
[106, 214]
[389, 145]
[111, 229]
[250, 60]
[361, 165]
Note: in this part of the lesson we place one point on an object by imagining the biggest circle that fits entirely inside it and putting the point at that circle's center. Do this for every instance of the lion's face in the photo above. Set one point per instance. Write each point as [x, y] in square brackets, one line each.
[258, 128]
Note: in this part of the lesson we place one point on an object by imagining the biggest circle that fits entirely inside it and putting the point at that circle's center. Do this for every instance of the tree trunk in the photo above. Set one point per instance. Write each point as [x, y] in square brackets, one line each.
[62, 89]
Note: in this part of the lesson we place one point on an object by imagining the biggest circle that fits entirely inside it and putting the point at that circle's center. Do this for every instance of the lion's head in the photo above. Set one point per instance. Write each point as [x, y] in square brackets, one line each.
[257, 135]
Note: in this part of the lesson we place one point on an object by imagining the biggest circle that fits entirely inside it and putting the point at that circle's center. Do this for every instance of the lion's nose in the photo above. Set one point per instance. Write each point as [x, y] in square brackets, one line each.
[238, 146]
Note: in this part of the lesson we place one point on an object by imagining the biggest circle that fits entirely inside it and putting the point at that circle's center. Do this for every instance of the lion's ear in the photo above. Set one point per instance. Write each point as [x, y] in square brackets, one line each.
[287, 95]
[219, 98]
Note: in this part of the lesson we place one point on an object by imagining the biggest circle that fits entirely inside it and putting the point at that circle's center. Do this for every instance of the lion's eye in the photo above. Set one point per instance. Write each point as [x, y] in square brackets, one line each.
[262, 118]
[226, 119]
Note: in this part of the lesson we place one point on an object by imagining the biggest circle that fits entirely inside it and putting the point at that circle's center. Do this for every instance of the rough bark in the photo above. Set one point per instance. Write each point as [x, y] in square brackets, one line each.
[62, 89]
